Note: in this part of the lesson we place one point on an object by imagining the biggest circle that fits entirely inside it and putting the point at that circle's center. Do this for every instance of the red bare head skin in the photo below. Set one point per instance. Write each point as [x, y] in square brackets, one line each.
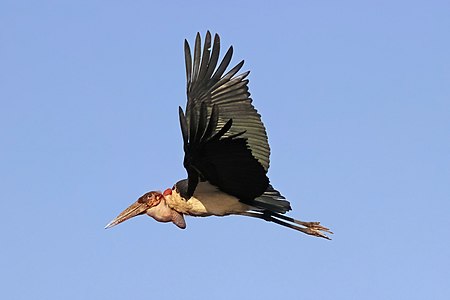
[151, 198]
[167, 192]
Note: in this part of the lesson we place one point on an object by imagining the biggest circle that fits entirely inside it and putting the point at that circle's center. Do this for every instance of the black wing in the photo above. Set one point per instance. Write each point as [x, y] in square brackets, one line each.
[225, 141]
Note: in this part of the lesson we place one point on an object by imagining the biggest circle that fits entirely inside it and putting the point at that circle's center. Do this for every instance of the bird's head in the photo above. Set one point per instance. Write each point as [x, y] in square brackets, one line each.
[153, 204]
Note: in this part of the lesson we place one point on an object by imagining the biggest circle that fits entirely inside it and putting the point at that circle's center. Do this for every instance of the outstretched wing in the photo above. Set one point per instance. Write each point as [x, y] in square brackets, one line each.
[225, 141]
[206, 83]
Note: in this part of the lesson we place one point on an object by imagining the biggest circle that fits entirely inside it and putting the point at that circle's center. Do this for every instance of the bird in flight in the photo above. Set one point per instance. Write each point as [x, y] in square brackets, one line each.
[226, 151]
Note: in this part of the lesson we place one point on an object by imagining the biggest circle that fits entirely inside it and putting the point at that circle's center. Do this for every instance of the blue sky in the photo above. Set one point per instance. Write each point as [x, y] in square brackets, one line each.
[355, 98]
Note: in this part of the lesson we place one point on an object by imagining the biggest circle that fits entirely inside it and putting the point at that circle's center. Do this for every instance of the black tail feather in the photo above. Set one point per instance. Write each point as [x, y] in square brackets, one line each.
[271, 201]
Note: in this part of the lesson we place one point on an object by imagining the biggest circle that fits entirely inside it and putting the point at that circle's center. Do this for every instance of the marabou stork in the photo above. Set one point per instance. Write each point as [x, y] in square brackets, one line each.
[226, 151]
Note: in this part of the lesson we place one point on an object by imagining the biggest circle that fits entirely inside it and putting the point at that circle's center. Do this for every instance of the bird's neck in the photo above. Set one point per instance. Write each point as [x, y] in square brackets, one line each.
[178, 203]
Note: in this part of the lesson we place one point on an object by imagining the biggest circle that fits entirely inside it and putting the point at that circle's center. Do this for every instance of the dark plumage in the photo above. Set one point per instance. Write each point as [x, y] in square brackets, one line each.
[226, 151]
[225, 141]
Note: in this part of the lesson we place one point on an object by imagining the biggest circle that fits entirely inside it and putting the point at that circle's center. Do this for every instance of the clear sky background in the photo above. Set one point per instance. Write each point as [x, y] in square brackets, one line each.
[355, 98]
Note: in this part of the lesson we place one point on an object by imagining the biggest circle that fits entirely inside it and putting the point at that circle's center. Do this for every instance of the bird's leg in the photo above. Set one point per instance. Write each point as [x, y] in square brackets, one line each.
[311, 228]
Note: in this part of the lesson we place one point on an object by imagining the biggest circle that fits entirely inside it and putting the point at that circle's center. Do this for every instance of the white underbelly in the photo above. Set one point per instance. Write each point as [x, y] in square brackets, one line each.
[208, 200]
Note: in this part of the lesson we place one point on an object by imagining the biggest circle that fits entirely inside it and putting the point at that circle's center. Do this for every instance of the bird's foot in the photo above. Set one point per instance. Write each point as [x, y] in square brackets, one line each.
[315, 229]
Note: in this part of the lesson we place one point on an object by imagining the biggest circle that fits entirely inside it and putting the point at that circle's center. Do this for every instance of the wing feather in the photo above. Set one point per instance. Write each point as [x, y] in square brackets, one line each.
[224, 137]
[229, 92]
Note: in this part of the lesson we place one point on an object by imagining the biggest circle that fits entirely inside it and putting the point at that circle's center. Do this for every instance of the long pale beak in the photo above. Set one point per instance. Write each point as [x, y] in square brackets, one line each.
[133, 210]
